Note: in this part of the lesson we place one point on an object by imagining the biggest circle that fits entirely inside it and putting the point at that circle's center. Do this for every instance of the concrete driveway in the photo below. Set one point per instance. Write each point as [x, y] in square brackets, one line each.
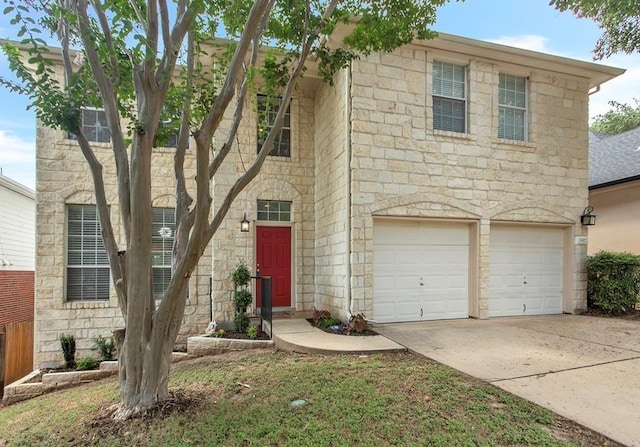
[584, 368]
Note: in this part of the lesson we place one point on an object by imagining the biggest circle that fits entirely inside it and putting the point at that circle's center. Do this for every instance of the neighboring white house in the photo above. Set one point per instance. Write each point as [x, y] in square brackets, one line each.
[17, 251]
[443, 180]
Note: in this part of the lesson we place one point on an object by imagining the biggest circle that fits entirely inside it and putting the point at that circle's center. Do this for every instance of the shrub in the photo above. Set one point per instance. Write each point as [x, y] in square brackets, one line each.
[241, 322]
[241, 276]
[218, 333]
[252, 332]
[106, 347]
[613, 281]
[68, 344]
[87, 363]
[357, 323]
[242, 299]
[322, 319]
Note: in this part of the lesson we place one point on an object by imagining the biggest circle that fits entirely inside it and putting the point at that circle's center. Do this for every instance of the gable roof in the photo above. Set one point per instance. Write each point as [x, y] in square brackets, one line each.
[613, 159]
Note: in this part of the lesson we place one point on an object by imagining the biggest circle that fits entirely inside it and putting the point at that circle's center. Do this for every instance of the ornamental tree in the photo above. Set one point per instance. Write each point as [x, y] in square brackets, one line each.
[621, 118]
[618, 19]
[142, 62]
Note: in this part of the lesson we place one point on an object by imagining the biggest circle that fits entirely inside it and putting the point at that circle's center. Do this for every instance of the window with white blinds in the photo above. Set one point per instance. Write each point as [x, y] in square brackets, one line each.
[512, 103]
[449, 92]
[87, 262]
[164, 228]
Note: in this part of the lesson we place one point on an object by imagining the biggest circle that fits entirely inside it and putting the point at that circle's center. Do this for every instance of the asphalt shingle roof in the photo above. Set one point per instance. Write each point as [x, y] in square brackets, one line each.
[613, 158]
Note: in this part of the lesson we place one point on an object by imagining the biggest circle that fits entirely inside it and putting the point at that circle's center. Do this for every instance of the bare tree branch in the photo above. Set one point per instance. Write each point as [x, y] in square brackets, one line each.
[138, 14]
[108, 38]
[111, 111]
[237, 117]
[105, 220]
[260, 9]
[164, 22]
[151, 44]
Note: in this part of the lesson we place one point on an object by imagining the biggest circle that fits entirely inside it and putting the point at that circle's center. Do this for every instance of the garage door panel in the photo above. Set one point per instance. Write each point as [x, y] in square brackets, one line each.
[429, 264]
[526, 271]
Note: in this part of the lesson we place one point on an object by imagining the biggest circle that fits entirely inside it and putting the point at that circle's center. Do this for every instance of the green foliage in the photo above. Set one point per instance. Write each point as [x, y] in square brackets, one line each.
[242, 298]
[241, 321]
[252, 332]
[87, 363]
[241, 276]
[106, 347]
[218, 333]
[68, 344]
[322, 319]
[619, 21]
[622, 118]
[613, 281]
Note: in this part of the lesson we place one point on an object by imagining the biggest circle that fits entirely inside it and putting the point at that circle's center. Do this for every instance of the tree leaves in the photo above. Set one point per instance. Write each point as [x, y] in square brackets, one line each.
[621, 118]
[618, 19]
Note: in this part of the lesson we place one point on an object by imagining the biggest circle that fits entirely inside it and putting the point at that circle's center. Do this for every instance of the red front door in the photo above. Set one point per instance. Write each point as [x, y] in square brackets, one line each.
[274, 259]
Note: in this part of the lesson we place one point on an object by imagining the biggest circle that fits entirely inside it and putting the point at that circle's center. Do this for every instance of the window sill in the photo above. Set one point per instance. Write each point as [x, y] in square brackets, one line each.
[101, 304]
[518, 143]
[101, 144]
[450, 134]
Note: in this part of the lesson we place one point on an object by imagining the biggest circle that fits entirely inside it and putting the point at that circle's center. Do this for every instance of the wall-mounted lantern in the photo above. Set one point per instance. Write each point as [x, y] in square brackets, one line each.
[587, 218]
[244, 224]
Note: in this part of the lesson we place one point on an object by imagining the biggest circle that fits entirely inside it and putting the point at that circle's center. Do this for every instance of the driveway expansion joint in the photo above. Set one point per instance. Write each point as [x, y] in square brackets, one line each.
[540, 375]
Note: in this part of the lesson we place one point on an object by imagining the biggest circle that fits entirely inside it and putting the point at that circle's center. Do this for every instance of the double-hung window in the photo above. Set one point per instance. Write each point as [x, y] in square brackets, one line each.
[94, 125]
[87, 262]
[267, 110]
[449, 92]
[512, 105]
[164, 228]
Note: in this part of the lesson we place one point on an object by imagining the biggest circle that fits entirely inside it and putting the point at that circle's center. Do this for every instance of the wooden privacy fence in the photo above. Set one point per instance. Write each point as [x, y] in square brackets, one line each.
[16, 352]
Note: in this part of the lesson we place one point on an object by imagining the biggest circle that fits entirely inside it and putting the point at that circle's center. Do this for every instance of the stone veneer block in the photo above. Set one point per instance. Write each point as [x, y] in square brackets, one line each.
[203, 345]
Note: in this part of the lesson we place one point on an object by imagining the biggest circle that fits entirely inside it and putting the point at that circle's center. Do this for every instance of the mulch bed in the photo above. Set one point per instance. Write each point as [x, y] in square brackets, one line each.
[631, 315]
[237, 335]
[342, 330]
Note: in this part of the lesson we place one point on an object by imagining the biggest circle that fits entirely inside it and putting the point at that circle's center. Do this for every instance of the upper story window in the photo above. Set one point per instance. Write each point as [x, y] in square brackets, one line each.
[94, 125]
[87, 262]
[164, 229]
[512, 104]
[274, 210]
[267, 110]
[449, 91]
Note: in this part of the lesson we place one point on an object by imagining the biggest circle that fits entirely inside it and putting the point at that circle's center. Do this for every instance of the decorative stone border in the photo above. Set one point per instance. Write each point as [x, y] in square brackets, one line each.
[204, 345]
[24, 389]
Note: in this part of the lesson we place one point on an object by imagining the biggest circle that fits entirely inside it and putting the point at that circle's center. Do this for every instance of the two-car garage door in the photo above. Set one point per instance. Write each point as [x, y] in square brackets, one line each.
[421, 270]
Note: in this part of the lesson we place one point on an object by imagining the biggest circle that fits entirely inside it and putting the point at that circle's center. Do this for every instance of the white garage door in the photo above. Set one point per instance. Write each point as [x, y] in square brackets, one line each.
[526, 271]
[420, 271]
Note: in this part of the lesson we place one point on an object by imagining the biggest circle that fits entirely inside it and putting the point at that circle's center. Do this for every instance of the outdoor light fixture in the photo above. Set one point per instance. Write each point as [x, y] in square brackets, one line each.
[587, 218]
[244, 224]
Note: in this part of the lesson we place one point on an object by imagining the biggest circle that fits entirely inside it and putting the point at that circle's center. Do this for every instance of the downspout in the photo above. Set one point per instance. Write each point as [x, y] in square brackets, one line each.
[347, 129]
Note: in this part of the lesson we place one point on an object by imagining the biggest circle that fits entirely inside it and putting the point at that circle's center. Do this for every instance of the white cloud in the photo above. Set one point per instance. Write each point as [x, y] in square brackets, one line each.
[531, 42]
[621, 89]
[17, 158]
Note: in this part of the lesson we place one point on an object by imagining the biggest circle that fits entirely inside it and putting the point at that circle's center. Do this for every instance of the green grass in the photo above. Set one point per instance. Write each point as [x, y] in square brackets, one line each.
[391, 399]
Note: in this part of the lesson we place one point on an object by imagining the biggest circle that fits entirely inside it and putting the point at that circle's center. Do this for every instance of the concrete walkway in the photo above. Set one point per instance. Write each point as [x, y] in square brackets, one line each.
[585, 368]
[299, 336]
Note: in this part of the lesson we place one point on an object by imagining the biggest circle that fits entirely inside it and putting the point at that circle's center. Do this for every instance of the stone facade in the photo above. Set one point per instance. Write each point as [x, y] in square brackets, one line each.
[363, 149]
[63, 178]
[402, 167]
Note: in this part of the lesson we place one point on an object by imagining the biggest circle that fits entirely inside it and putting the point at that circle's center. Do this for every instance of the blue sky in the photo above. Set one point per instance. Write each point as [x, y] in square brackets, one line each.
[530, 24]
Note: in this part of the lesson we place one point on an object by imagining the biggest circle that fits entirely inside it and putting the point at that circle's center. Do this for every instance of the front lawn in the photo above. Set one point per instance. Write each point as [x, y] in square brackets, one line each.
[246, 400]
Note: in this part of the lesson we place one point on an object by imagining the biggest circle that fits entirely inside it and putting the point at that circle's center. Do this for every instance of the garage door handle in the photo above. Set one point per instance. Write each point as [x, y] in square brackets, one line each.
[421, 313]
[421, 283]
